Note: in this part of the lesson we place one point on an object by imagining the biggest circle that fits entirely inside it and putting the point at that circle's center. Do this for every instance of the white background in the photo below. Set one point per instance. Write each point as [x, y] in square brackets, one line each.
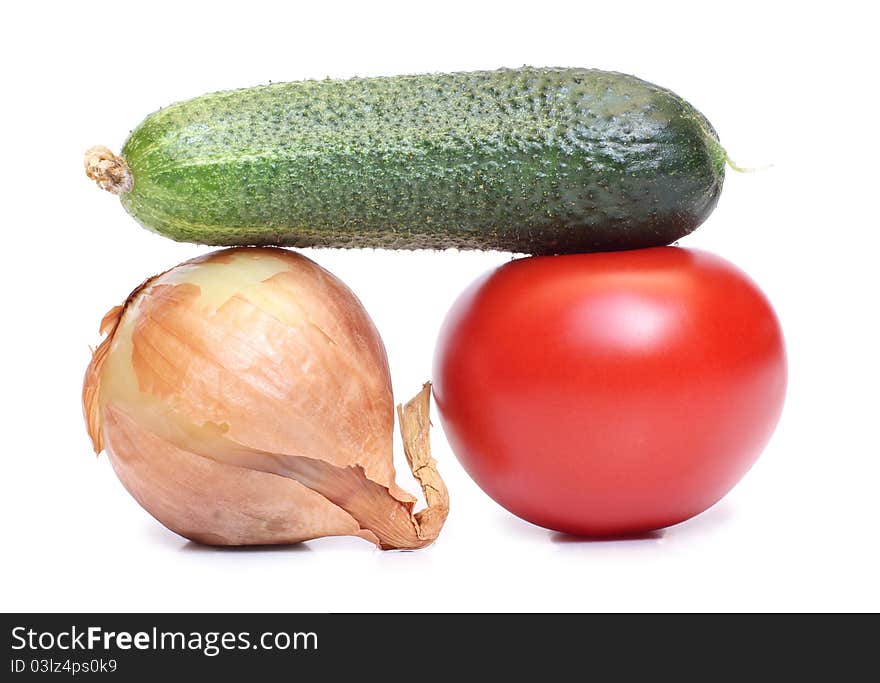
[784, 84]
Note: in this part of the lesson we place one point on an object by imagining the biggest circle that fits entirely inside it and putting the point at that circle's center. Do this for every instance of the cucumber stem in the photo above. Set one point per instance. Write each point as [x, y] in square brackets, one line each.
[108, 170]
[743, 169]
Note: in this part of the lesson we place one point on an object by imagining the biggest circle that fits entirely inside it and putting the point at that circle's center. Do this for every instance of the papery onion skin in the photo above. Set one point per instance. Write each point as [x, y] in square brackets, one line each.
[244, 398]
[213, 503]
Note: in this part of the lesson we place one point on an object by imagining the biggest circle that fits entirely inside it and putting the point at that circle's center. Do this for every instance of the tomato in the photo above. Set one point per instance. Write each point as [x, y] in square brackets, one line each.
[610, 393]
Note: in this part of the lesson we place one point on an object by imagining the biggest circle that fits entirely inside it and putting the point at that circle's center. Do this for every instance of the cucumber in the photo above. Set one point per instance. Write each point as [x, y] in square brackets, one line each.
[531, 160]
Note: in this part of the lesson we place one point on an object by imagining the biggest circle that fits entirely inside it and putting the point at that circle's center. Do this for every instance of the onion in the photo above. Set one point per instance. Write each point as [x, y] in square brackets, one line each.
[244, 397]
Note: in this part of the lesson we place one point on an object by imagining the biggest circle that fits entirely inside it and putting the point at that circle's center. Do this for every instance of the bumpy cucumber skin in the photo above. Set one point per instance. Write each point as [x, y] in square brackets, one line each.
[530, 160]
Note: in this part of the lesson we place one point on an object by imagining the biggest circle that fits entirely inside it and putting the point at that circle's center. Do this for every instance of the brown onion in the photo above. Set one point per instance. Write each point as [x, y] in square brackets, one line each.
[244, 398]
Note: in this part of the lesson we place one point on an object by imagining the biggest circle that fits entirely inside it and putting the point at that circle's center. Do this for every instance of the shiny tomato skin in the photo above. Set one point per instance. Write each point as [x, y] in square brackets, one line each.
[610, 393]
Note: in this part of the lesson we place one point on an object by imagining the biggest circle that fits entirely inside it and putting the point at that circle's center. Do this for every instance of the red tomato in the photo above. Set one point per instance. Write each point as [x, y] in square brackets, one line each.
[612, 393]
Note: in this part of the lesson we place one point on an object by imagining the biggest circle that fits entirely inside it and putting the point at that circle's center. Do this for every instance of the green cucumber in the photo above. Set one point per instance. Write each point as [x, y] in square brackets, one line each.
[531, 160]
